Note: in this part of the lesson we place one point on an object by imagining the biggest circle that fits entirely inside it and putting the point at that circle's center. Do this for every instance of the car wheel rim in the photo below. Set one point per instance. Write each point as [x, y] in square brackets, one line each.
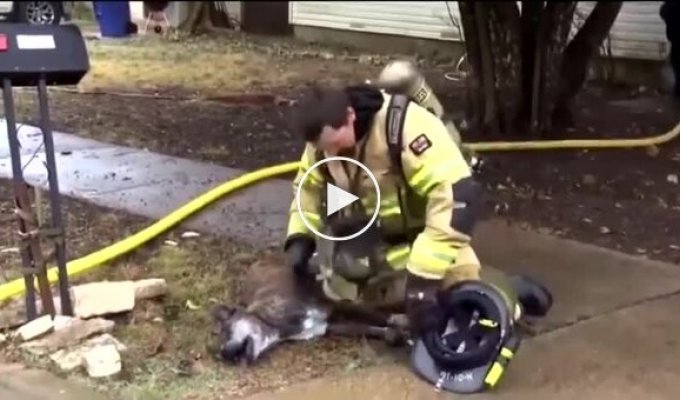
[40, 13]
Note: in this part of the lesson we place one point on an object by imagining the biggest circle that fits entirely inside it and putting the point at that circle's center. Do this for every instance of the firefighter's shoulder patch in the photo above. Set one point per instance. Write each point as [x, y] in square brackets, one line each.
[420, 144]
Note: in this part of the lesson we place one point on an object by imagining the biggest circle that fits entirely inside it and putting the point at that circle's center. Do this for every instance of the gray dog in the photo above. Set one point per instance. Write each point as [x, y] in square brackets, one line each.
[281, 308]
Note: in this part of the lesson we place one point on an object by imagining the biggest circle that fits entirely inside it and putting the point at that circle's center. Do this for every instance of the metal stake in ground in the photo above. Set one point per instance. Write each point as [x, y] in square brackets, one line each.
[31, 253]
[55, 198]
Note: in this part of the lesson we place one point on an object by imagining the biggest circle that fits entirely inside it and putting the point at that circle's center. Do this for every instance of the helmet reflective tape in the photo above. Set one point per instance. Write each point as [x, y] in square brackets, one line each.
[500, 364]
[488, 323]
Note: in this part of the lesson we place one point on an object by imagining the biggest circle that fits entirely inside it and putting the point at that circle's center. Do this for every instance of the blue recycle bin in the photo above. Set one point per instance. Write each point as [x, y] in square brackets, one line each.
[113, 17]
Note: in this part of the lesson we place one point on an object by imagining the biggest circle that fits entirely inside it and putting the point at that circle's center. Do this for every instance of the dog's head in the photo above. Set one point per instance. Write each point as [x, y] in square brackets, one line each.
[243, 336]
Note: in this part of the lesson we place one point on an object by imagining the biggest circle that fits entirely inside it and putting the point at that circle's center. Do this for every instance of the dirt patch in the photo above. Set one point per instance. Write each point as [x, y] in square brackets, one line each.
[621, 199]
[170, 341]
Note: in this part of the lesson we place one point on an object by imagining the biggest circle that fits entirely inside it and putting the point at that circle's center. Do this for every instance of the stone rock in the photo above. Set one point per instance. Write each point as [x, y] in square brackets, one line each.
[70, 360]
[67, 361]
[3, 338]
[102, 298]
[150, 288]
[105, 339]
[70, 336]
[62, 321]
[35, 328]
[102, 361]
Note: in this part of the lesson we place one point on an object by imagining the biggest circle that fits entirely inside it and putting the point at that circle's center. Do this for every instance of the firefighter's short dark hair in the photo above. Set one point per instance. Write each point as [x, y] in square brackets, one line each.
[319, 107]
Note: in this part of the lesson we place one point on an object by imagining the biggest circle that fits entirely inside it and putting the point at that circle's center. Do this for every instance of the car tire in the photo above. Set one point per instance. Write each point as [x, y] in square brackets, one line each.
[25, 9]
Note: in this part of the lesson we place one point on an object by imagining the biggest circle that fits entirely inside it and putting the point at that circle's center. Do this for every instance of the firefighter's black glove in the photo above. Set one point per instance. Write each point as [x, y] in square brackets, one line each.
[299, 250]
[422, 308]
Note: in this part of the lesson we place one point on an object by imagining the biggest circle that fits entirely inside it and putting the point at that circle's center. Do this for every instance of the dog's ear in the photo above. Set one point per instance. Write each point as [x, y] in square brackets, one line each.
[222, 312]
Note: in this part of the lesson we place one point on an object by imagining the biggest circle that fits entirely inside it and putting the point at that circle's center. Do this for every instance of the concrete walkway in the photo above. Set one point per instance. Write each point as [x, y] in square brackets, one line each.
[19, 383]
[151, 184]
[612, 331]
[629, 355]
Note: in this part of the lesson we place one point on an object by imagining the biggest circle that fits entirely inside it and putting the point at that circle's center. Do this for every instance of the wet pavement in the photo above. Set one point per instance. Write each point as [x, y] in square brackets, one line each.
[151, 184]
[612, 331]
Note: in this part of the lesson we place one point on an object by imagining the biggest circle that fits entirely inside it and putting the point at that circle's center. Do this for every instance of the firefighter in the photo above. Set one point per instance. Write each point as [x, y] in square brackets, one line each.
[428, 204]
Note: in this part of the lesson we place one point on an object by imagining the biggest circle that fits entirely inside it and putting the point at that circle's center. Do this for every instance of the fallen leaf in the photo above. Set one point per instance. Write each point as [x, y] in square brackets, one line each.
[157, 346]
[672, 178]
[587, 220]
[589, 179]
[192, 306]
[190, 234]
[184, 368]
[604, 230]
[170, 243]
[353, 365]
[652, 151]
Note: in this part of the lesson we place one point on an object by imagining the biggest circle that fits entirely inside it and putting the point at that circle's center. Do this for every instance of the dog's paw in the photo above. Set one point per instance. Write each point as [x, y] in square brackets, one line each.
[395, 337]
[398, 321]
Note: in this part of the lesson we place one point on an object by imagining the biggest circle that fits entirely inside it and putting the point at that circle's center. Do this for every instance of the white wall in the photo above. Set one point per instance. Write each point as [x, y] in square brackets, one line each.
[639, 31]
[422, 19]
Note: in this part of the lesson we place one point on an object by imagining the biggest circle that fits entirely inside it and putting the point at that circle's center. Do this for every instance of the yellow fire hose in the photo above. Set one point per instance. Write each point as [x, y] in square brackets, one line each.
[75, 267]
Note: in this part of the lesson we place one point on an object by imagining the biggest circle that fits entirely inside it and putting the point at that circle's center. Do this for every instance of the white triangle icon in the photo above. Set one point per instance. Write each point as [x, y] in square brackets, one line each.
[337, 198]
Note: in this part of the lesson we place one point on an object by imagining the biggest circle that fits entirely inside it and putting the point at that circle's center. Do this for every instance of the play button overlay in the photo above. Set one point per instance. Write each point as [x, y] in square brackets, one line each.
[337, 198]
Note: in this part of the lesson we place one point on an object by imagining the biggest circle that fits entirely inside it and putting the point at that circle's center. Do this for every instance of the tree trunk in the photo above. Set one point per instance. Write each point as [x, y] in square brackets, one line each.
[474, 96]
[193, 21]
[531, 16]
[490, 119]
[521, 70]
[578, 55]
[201, 18]
[560, 16]
[505, 32]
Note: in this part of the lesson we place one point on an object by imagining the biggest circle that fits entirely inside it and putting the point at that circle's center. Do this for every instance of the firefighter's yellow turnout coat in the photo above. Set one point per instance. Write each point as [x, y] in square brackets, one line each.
[432, 195]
